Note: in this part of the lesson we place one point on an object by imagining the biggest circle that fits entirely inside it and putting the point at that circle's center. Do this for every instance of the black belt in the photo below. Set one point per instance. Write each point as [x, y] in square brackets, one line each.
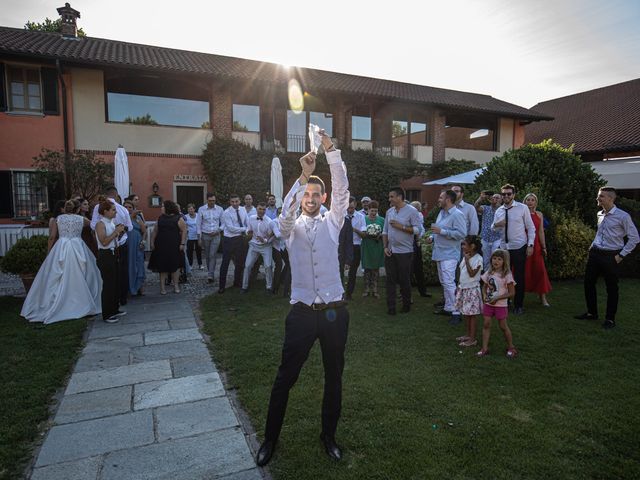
[605, 252]
[323, 306]
[105, 250]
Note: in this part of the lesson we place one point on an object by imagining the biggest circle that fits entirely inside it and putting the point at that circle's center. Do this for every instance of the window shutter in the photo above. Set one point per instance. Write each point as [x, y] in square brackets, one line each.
[6, 196]
[3, 90]
[50, 91]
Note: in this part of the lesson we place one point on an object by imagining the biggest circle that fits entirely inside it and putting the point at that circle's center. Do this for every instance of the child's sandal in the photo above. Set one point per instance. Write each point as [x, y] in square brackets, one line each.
[482, 353]
[512, 352]
[463, 338]
[471, 342]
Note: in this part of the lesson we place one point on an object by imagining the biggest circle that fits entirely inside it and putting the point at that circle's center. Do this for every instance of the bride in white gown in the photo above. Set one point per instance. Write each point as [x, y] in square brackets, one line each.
[68, 284]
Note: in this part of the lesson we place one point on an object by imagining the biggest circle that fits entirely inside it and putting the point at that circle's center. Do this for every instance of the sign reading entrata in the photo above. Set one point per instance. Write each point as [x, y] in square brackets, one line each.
[189, 178]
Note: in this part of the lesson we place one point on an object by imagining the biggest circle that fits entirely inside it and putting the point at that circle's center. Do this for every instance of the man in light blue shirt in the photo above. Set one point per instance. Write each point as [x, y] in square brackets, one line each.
[448, 231]
[607, 251]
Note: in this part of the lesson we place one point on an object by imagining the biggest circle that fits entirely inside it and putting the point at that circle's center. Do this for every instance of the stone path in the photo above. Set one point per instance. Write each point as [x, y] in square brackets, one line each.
[145, 402]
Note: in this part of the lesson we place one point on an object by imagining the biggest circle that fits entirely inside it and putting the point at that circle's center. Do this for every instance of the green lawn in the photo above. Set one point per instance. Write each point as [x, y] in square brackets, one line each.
[35, 361]
[416, 406]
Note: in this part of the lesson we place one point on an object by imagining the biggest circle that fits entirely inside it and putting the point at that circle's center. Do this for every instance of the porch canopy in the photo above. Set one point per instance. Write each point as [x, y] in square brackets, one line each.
[622, 174]
[466, 178]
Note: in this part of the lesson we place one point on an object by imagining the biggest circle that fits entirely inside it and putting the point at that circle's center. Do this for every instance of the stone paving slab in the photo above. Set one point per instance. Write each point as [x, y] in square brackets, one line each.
[101, 403]
[104, 330]
[188, 419]
[205, 456]
[168, 336]
[93, 437]
[186, 366]
[111, 344]
[253, 474]
[119, 376]
[177, 390]
[85, 469]
[188, 348]
[180, 323]
[100, 360]
[156, 316]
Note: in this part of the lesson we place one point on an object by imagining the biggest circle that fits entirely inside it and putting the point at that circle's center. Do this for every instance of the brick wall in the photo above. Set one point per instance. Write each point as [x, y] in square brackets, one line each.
[222, 112]
[438, 136]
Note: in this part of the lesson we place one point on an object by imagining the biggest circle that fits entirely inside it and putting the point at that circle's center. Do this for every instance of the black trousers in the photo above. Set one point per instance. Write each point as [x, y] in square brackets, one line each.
[108, 266]
[353, 270]
[232, 249]
[122, 255]
[602, 262]
[302, 327]
[398, 270]
[282, 271]
[417, 271]
[518, 259]
[191, 246]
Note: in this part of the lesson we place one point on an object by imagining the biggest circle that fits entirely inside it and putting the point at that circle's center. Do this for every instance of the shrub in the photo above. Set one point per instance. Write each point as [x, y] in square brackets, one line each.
[26, 256]
[235, 167]
[429, 266]
[554, 173]
[568, 241]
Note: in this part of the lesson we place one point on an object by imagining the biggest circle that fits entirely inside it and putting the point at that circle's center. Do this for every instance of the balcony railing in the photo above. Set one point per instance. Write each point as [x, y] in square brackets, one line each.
[399, 151]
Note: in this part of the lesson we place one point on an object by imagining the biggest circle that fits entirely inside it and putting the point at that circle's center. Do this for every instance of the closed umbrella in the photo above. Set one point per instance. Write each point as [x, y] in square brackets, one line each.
[121, 176]
[276, 181]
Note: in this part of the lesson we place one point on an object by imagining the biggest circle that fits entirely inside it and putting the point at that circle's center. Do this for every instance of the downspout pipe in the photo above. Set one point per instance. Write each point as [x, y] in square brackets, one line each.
[65, 129]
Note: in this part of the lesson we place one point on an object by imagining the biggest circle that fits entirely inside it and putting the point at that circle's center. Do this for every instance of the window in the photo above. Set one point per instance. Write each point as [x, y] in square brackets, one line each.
[360, 128]
[418, 133]
[470, 132]
[412, 195]
[297, 128]
[29, 195]
[25, 93]
[246, 118]
[155, 101]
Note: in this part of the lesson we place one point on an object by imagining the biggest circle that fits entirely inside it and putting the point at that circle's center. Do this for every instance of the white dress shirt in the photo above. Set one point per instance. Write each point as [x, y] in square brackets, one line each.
[209, 220]
[261, 227]
[522, 231]
[230, 226]
[251, 212]
[471, 216]
[122, 217]
[313, 242]
[358, 223]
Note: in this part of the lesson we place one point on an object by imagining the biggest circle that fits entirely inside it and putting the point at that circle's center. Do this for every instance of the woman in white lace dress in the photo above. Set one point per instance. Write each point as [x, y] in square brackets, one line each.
[68, 283]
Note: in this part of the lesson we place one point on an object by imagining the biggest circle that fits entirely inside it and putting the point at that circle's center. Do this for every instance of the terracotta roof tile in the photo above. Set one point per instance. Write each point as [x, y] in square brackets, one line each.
[597, 121]
[98, 51]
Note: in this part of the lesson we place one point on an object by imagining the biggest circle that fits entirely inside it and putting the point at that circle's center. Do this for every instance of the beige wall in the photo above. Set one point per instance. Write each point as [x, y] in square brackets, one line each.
[423, 153]
[478, 156]
[92, 132]
[361, 145]
[505, 135]
[250, 138]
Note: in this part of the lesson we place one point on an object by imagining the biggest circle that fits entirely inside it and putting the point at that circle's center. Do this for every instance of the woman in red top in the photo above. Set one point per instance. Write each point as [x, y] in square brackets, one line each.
[536, 278]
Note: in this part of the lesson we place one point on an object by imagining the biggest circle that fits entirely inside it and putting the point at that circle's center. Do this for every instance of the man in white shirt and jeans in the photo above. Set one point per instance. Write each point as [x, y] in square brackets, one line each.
[317, 309]
[260, 235]
[518, 235]
[208, 227]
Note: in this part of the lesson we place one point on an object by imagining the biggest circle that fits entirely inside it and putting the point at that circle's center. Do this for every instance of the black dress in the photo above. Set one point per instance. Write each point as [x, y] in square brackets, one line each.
[166, 255]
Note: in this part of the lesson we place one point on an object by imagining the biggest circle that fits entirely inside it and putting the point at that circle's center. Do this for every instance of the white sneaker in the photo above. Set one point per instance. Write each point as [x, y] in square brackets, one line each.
[112, 319]
[121, 313]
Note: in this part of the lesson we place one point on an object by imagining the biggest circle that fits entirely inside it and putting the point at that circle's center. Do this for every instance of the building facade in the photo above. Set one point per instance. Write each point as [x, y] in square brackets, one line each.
[83, 94]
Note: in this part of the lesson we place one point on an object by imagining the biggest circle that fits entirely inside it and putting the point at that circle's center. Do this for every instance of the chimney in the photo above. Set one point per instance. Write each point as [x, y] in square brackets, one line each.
[68, 17]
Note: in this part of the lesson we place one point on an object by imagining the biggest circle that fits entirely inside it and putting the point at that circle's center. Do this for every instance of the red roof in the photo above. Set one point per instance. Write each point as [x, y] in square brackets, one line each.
[98, 51]
[603, 120]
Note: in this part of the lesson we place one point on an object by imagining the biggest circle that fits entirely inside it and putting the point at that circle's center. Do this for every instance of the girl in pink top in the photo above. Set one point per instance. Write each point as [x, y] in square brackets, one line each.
[498, 287]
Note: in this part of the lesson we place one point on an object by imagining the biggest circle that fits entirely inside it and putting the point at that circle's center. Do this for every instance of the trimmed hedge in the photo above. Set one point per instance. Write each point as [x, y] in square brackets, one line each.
[26, 256]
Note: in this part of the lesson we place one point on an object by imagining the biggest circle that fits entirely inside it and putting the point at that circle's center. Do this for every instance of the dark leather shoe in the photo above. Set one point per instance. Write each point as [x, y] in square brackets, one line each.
[586, 316]
[609, 324]
[406, 308]
[265, 453]
[518, 311]
[442, 311]
[331, 447]
[425, 295]
[221, 290]
[391, 311]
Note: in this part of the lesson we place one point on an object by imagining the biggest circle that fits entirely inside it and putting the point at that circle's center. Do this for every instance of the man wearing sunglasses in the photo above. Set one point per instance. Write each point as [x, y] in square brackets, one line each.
[518, 234]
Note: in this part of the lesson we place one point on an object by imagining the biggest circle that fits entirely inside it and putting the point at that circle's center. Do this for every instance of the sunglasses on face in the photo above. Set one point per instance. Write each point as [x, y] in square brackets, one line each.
[507, 194]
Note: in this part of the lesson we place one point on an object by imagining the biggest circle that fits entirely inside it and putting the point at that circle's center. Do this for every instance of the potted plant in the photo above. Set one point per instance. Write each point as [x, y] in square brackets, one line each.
[25, 257]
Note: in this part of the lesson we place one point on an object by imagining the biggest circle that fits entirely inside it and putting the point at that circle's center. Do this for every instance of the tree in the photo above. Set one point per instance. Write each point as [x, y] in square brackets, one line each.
[88, 175]
[238, 127]
[143, 120]
[49, 25]
[398, 130]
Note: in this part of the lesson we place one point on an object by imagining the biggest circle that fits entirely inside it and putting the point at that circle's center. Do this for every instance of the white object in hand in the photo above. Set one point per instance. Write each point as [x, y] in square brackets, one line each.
[315, 140]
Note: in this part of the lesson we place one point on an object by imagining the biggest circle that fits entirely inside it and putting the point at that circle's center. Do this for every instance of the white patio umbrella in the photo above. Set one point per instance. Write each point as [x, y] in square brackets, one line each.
[466, 177]
[121, 176]
[276, 181]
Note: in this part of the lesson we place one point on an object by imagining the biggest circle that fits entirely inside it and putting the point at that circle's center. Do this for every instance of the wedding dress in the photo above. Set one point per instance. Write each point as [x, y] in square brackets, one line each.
[68, 284]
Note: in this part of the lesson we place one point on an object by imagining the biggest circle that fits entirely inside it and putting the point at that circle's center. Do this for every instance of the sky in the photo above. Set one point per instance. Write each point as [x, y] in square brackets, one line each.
[520, 51]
